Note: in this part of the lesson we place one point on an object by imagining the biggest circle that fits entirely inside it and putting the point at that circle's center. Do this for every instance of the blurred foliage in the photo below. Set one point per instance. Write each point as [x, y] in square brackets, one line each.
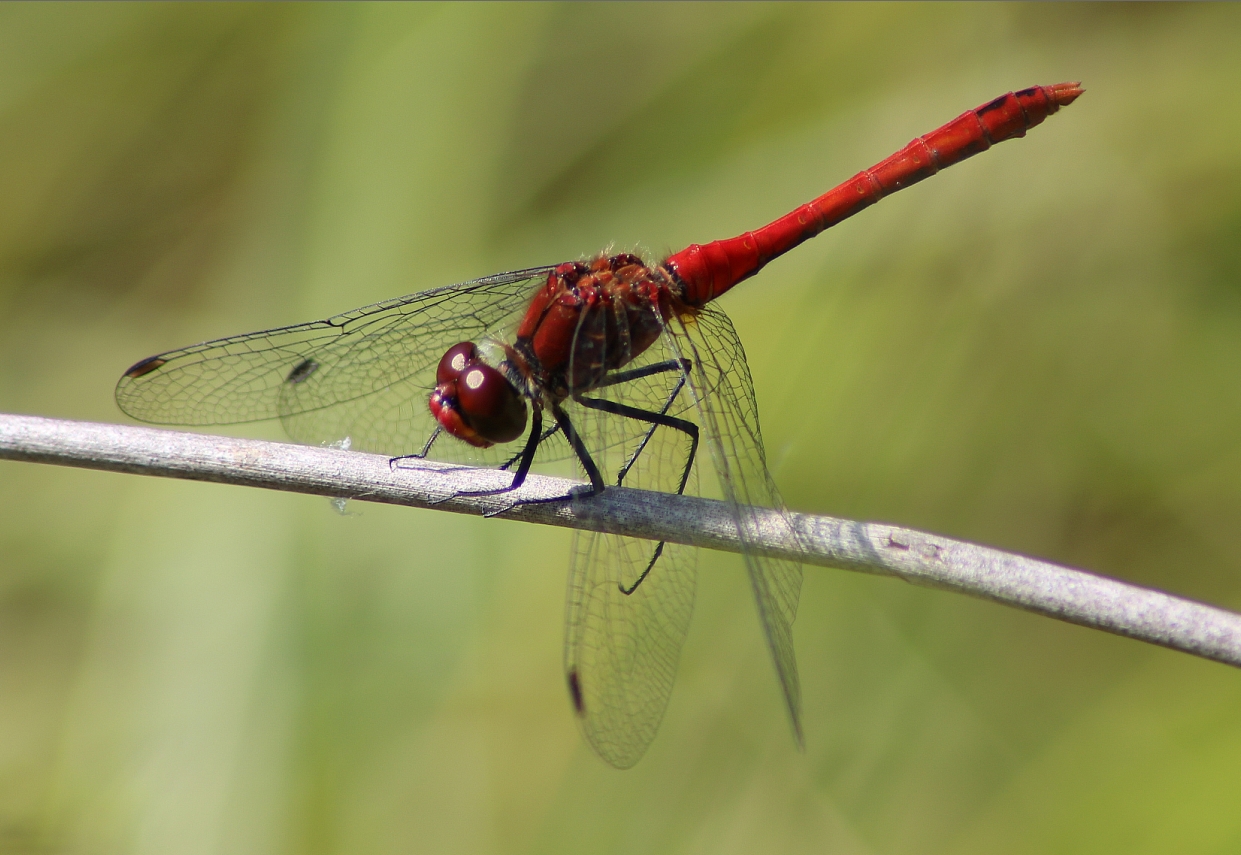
[1039, 350]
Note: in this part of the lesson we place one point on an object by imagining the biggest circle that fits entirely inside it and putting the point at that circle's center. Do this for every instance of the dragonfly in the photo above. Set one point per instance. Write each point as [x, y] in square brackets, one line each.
[624, 366]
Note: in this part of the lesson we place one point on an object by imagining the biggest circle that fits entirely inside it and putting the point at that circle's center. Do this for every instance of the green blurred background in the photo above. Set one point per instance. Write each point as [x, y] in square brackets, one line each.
[1038, 350]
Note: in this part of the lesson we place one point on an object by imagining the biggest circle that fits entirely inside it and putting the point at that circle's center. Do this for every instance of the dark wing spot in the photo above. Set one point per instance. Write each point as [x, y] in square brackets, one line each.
[575, 691]
[146, 366]
[301, 371]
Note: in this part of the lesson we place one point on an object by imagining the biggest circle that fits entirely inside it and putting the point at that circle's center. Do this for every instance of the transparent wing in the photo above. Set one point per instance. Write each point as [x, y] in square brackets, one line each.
[622, 649]
[364, 374]
[630, 601]
[623, 642]
[724, 394]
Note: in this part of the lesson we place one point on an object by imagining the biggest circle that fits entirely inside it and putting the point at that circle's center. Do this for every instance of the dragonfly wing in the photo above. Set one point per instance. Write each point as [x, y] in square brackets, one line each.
[630, 601]
[622, 649]
[362, 375]
[724, 393]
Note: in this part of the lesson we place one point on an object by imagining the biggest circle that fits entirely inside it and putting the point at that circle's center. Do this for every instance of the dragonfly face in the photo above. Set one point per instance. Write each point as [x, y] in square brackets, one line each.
[474, 401]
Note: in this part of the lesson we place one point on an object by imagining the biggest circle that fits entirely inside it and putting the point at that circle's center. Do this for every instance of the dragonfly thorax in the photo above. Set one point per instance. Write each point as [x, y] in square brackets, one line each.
[593, 318]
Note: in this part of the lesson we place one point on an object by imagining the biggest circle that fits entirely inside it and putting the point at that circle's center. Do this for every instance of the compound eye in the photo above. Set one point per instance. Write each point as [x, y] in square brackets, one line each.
[490, 404]
[454, 361]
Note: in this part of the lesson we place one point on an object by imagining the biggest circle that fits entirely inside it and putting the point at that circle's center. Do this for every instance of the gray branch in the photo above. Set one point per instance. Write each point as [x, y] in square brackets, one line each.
[924, 559]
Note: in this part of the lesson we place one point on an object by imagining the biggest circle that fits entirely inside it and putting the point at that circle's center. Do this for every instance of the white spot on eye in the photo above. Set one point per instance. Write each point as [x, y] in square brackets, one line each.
[474, 379]
[458, 362]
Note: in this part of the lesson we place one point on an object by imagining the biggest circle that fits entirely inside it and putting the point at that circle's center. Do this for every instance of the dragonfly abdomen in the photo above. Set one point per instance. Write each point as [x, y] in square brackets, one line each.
[707, 271]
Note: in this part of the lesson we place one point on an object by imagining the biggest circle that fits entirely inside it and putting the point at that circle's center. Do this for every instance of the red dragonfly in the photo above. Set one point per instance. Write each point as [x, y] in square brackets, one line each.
[619, 364]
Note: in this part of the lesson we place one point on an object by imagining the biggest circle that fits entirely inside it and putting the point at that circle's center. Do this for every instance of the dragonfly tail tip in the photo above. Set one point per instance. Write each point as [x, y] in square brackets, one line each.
[1065, 94]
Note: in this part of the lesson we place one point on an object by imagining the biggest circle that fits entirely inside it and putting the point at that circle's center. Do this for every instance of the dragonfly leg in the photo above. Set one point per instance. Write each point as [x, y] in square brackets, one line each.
[547, 434]
[659, 550]
[682, 365]
[656, 420]
[526, 460]
[563, 424]
[597, 484]
[395, 462]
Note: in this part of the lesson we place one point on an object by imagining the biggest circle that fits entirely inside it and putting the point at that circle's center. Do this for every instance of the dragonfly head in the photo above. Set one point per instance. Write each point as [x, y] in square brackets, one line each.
[474, 401]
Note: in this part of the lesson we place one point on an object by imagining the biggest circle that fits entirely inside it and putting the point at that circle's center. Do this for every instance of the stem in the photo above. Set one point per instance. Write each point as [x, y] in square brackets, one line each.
[924, 559]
